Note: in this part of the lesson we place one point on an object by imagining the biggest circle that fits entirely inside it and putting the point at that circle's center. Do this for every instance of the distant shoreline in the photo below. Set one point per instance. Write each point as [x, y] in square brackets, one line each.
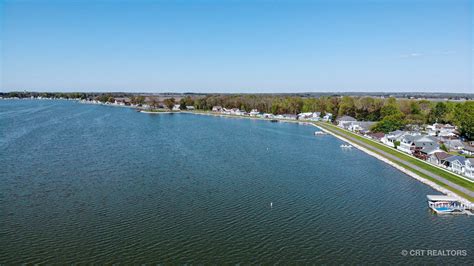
[210, 113]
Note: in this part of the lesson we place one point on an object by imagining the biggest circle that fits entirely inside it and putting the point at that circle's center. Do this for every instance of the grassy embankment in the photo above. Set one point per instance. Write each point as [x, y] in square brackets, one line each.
[450, 177]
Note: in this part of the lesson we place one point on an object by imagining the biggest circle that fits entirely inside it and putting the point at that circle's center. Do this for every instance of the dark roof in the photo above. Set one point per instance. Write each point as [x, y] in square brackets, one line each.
[453, 158]
[468, 148]
[377, 135]
[441, 155]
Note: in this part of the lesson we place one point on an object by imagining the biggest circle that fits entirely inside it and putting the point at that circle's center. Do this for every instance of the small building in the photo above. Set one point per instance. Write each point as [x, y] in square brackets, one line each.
[360, 126]
[468, 150]
[454, 144]
[327, 117]
[268, 115]
[290, 116]
[414, 143]
[469, 168]
[344, 121]
[306, 115]
[176, 107]
[437, 158]
[190, 107]
[391, 137]
[123, 101]
[456, 164]
[254, 112]
[444, 131]
[426, 152]
[217, 108]
[376, 136]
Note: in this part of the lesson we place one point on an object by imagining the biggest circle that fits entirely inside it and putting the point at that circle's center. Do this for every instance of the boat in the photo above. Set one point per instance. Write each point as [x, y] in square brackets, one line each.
[346, 146]
[442, 204]
[319, 133]
[274, 120]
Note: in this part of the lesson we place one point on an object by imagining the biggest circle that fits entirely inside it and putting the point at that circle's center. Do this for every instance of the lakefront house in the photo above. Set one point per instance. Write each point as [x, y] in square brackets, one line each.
[415, 143]
[217, 108]
[469, 168]
[392, 137]
[437, 158]
[254, 112]
[456, 164]
[327, 117]
[344, 121]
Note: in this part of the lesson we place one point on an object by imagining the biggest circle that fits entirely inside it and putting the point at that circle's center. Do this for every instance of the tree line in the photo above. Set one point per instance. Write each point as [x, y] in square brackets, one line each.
[391, 113]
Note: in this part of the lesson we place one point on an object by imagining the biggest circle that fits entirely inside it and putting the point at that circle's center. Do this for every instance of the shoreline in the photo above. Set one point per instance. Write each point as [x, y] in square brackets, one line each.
[402, 169]
[151, 112]
[425, 181]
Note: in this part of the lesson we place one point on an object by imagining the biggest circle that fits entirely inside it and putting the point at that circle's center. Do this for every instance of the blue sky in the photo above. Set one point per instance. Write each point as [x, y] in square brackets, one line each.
[237, 46]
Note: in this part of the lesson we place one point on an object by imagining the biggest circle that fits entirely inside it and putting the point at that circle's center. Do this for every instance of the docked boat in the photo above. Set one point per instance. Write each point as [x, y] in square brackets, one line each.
[319, 133]
[346, 146]
[442, 204]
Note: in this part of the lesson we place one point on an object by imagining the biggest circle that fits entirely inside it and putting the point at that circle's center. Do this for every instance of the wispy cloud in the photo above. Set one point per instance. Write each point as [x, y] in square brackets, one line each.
[411, 55]
[420, 54]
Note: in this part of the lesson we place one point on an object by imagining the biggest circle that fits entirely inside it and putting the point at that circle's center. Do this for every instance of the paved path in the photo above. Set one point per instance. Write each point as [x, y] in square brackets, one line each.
[396, 159]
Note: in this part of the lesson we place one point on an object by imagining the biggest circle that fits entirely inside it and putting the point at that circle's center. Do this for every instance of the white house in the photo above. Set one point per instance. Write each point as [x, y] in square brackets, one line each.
[440, 130]
[237, 111]
[290, 116]
[438, 158]
[454, 144]
[254, 112]
[415, 143]
[267, 115]
[469, 150]
[360, 126]
[344, 121]
[305, 115]
[189, 107]
[217, 108]
[469, 168]
[390, 138]
[327, 117]
[456, 164]
[176, 107]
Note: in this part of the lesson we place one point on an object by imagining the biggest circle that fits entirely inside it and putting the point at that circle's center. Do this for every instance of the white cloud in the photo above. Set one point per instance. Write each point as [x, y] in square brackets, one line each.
[411, 55]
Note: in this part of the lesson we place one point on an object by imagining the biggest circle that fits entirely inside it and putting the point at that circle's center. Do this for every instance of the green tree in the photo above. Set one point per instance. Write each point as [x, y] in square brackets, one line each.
[464, 119]
[415, 108]
[389, 123]
[437, 114]
[182, 104]
[169, 102]
[443, 147]
[390, 108]
[346, 106]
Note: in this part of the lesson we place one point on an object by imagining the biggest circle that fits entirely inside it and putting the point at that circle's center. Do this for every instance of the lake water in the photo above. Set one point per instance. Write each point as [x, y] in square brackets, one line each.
[97, 184]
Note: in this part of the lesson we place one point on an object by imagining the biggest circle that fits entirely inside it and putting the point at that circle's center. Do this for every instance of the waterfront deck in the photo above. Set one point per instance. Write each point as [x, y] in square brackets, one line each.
[443, 204]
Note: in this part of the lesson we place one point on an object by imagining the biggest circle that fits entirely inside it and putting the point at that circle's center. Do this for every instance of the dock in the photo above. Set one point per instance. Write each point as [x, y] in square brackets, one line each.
[442, 204]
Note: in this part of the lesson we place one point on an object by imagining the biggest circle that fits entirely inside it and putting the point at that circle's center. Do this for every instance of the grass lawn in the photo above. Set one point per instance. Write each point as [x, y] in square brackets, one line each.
[453, 178]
